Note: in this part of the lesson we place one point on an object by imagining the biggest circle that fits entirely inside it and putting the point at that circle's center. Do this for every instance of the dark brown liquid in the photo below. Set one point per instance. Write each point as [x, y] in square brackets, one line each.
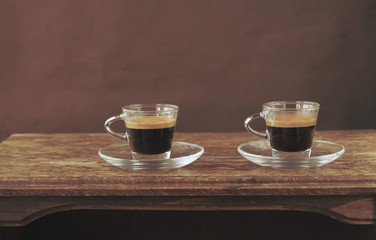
[293, 139]
[150, 135]
[151, 141]
[291, 132]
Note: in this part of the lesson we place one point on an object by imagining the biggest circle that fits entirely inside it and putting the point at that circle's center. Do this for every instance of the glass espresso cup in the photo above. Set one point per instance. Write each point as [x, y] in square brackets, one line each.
[149, 129]
[290, 127]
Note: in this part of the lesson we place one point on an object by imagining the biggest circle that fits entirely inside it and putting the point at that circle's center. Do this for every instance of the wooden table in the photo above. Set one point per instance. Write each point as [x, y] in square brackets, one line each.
[42, 174]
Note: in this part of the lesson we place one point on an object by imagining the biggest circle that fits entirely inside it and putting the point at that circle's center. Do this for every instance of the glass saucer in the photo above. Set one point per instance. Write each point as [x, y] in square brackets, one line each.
[120, 155]
[259, 152]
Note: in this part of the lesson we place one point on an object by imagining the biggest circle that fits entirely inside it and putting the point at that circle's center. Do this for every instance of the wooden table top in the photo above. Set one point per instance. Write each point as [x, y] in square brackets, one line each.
[68, 165]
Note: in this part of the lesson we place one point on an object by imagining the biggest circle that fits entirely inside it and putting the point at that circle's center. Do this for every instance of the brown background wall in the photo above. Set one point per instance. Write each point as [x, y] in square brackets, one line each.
[66, 66]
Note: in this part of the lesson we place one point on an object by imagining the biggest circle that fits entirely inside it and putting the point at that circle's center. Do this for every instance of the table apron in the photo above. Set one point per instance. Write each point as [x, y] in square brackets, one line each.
[21, 210]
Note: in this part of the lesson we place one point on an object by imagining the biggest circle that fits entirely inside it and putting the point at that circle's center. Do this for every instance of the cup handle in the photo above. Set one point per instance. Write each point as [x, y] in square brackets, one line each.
[113, 133]
[251, 130]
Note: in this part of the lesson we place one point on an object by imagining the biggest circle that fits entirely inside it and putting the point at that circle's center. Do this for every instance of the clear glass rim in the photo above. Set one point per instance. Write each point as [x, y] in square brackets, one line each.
[151, 107]
[291, 106]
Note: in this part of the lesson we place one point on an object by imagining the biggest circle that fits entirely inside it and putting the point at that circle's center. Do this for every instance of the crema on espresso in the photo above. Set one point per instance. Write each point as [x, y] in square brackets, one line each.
[291, 132]
[150, 134]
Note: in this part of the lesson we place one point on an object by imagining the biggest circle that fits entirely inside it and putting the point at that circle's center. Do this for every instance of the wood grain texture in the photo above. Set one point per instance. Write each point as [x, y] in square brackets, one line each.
[68, 164]
[66, 167]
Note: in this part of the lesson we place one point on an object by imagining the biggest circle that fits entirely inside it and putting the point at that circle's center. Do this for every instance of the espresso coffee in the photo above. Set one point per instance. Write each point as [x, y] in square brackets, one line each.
[150, 134]
[291, 132]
